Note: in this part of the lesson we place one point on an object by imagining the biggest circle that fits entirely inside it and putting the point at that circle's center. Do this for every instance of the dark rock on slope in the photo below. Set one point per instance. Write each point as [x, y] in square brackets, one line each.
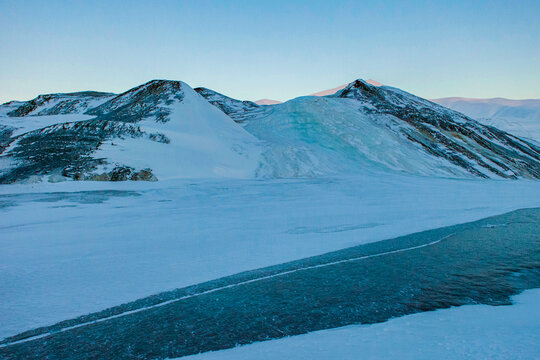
[58, 104]
[448, 134]
[148, 100]
[68, 147]
[238, 110]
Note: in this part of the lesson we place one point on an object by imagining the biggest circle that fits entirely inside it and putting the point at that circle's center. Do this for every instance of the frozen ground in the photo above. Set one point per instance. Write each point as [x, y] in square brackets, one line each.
[467, 332]
[73, 248]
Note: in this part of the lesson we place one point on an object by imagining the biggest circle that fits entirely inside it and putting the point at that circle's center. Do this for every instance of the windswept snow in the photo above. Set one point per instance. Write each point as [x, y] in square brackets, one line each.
[242, 186]
[467, 332]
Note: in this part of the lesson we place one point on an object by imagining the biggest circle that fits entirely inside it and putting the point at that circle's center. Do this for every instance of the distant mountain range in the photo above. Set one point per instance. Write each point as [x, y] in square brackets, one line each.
[165, 129]
[519, 117]
[320, 93]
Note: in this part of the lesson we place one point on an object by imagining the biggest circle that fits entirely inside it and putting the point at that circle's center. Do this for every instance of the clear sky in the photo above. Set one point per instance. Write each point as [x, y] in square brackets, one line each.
[271, 49]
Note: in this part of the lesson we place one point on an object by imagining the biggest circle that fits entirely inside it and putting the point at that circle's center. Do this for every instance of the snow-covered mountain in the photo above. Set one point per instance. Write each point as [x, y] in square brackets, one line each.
[161, 129]
[56, 104]
[267, 102]
[519, 117]
[236, 109]
[341, 87]
[319, 93]
[165, 129]
[378, 128]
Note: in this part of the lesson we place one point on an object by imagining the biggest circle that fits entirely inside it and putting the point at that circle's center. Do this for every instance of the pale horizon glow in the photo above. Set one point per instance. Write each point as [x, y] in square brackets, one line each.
[271, 49]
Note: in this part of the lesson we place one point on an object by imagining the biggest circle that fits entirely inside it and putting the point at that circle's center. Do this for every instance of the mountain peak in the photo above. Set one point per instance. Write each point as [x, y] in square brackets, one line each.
[341, 87]
[142, 101]
[358, 89]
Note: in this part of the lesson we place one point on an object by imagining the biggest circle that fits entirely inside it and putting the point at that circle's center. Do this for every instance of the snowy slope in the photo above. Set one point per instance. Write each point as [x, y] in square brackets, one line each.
[468, 332]
[19, 117]
[56, 104]
[519, 117]
[236, 109]
[199, 141]
[312, 136]
[361, 128]
[163, 126]
[367, 128]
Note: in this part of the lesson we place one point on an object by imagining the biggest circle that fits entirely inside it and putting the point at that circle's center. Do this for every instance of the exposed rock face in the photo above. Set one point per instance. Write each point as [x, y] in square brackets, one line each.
[121, 173]
[5, 136]
[124, 173]
[481, 150]
[359, 126]
[149, 100]
[238, 110]
[99, 177]
[69, 146]
[65, 146]
[59, 104]
[143, 175]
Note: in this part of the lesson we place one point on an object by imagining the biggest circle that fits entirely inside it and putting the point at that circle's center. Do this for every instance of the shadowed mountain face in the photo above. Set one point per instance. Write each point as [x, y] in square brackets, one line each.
[149, 100]
[236, 109]
[67, 148]
[100, 142]
[482, 150]
[360, 128]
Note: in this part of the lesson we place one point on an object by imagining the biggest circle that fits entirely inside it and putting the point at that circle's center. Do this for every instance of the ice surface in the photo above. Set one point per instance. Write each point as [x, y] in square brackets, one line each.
[72, 248]
[467, 332]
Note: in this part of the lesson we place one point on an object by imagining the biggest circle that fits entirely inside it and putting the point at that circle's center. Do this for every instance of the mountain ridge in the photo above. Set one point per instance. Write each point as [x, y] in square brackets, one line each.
[361, 127]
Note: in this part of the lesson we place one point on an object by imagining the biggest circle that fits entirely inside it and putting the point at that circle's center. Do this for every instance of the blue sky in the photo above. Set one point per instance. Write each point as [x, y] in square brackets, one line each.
[271, 49]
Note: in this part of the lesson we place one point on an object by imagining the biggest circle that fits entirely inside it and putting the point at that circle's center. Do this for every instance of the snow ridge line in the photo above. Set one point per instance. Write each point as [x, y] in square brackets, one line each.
[223, 288]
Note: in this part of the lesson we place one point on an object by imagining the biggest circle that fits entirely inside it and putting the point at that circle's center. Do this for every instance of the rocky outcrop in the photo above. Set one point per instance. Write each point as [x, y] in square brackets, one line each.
[481, 150]
[304, 134]
[148, 100]
[119, 173]
[60, 104]
[237, 110]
